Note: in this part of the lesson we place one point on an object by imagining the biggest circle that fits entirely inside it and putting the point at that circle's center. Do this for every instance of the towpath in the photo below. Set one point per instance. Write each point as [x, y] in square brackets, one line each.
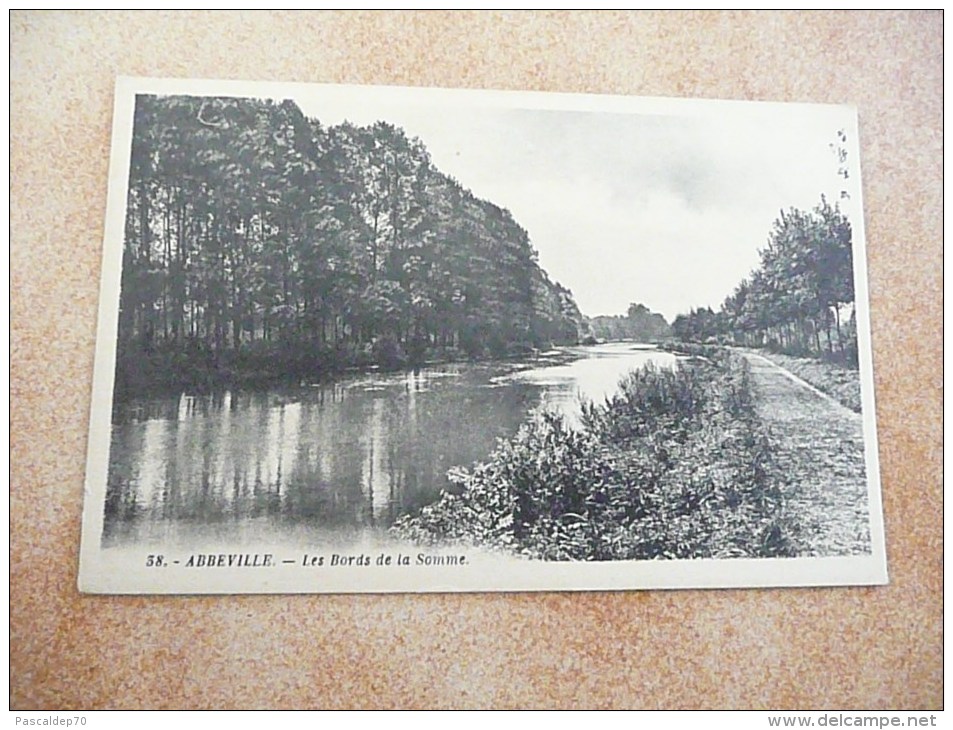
[819, 447]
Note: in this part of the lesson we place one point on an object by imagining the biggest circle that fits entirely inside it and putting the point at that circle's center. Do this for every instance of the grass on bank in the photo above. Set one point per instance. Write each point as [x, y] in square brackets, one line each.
[839, 382]
[673, 465]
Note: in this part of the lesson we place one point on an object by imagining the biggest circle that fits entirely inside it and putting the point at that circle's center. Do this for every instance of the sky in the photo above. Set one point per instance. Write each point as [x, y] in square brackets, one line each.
[662, 203]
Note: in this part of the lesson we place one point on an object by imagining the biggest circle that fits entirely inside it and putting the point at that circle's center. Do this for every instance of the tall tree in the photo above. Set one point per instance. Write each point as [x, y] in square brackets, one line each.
[258, 241]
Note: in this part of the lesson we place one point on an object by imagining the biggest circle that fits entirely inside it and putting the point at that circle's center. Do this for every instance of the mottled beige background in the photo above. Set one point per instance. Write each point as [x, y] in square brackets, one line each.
[850, 648]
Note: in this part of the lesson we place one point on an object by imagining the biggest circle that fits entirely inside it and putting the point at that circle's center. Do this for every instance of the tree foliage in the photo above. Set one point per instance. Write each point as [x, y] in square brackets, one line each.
[638, 323]
[800, 298]
[259, 242]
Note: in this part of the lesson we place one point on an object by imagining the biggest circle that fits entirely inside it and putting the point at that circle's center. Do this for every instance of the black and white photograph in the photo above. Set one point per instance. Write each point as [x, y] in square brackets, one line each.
[379, 339]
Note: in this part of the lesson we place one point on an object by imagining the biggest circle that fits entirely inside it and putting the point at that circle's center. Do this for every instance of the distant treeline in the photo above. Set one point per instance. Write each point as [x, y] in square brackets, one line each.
[800, 299]
[639, 323]
[259, 243]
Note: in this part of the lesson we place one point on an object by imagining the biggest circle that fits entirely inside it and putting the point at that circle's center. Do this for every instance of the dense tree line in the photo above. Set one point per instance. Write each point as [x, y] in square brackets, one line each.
[638, 323]
[799, 300]
[259, 242]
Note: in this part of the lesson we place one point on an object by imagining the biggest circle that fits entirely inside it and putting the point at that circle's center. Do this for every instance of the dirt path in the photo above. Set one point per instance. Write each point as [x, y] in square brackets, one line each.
[820, 459]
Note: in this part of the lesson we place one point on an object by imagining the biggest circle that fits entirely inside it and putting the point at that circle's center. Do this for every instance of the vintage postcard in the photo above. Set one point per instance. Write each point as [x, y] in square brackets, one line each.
[373, 339]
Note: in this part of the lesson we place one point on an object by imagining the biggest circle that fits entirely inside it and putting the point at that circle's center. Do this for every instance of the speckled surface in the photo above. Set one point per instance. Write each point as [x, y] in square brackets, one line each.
[793, 648]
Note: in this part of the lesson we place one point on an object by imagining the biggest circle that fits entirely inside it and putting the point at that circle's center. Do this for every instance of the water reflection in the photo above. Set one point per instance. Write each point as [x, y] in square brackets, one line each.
[343, 458]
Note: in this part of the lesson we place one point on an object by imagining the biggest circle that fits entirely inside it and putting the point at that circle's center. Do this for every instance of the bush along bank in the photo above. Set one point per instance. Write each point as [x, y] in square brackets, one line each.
[674, 465]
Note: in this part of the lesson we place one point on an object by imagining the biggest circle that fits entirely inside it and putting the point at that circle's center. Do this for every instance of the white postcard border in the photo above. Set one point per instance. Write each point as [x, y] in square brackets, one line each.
[123, 571]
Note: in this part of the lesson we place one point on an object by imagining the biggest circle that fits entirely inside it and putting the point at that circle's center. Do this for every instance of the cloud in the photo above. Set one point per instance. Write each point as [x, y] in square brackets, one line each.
[665, 209]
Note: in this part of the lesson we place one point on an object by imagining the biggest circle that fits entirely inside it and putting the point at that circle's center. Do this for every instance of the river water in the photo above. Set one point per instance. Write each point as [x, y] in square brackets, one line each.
[327, 462]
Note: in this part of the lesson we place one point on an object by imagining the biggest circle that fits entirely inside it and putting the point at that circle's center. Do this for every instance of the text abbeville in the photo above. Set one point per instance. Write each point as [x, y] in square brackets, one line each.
[235, 560]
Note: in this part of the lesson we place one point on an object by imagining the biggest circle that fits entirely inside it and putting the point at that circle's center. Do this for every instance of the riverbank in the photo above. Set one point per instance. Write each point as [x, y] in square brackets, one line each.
[840, 382]
[344, 457]
[676, 464]
[198, 370]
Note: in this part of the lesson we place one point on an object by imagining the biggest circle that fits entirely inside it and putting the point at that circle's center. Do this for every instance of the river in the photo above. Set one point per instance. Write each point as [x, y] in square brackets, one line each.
[325, 463]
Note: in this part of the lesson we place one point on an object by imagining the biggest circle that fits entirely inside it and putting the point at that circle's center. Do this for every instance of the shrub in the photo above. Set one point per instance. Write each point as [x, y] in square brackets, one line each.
[388, 353]
[674, 465]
